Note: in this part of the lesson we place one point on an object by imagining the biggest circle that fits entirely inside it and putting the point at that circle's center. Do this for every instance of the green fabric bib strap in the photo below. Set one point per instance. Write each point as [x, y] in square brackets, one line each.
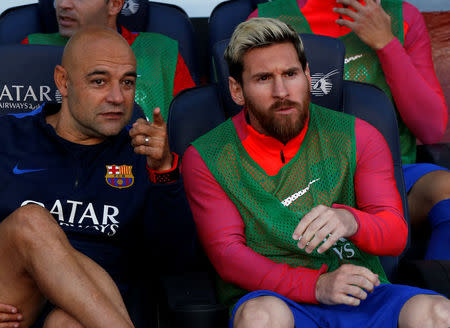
[156, 57]
[271, 206]
[53, 39]
[361, 62]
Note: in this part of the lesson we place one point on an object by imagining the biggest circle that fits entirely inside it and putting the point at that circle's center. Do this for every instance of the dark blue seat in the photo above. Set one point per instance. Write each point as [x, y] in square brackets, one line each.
[137, 15]
[26, 77]
[226, 16]
[223, 20]
[370, 104]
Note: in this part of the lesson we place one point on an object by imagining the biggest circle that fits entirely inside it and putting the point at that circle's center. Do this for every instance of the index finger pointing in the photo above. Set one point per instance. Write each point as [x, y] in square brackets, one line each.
[157, 117]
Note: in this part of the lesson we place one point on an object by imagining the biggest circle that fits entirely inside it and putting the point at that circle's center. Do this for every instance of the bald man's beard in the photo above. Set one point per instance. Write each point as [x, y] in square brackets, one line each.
[282, 127]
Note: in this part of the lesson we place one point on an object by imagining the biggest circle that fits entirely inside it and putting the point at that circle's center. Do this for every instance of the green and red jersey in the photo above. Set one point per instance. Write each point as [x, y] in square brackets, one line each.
[223, 221]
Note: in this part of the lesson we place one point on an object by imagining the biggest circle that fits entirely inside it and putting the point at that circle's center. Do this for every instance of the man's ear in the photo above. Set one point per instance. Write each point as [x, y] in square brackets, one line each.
[236, 91]
[61, 79]
[114, 7]
[308, 73]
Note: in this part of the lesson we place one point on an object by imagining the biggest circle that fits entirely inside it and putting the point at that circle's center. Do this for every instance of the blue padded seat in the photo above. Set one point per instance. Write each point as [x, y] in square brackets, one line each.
[26, 77]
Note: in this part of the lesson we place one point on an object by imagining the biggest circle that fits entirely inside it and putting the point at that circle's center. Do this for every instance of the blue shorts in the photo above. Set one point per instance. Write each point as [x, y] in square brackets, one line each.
[413, 172]
[380, 309]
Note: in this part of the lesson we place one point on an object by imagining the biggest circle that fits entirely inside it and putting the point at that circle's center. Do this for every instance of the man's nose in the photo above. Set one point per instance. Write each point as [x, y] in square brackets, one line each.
[115, 94]
[280, 89]
[65, 4]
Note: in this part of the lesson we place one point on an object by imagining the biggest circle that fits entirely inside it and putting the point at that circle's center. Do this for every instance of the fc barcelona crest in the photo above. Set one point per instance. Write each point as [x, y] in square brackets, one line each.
[119, 176]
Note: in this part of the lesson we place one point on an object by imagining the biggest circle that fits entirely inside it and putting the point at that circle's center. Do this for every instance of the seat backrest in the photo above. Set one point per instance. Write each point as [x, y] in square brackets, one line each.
[26, 77]
[226, 16]
[326, 71]
[371, 104]
[192, 113]
[136, 15]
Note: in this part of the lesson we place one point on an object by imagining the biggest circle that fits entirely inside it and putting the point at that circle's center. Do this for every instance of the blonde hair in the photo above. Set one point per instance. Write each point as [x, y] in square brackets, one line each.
[257, 33]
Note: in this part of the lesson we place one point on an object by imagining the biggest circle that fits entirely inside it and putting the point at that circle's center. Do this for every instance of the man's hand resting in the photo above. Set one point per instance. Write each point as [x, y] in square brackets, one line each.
[349, 285]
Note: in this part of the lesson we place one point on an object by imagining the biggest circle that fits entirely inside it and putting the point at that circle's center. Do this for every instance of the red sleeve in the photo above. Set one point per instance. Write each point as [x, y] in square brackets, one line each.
[253, 14]
[221, 233]
[25, 41]
[410, 74]
[382, 230]
[182, 79]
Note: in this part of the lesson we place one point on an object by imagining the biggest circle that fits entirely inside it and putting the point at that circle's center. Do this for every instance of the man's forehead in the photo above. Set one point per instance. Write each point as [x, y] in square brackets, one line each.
[109, 68]
[277, 56]
[109, 58]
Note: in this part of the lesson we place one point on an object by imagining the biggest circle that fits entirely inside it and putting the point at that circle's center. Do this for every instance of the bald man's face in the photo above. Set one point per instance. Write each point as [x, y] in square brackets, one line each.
[100, 84]
[75, 14]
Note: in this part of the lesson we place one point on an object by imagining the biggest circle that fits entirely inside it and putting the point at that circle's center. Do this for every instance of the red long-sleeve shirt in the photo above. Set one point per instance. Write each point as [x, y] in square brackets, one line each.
[382, 229]
[408, 69]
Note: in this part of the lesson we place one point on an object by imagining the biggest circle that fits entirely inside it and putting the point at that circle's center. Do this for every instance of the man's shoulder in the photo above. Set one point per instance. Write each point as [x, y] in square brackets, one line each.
[220, 133]
[21, 119]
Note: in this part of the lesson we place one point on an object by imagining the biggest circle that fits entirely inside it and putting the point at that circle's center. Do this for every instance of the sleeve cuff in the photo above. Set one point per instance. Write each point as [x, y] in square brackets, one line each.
[355, 214]
[322, 270]
[167, 176]
[391, 48]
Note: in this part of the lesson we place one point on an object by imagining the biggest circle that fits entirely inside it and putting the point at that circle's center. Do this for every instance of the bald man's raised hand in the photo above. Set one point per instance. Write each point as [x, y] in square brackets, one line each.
[150, 139]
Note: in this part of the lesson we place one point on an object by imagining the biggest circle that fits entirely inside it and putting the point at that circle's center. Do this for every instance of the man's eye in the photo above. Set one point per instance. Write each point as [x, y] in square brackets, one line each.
[291, 73]
[263, 78]
[129, 83]
[98, 81]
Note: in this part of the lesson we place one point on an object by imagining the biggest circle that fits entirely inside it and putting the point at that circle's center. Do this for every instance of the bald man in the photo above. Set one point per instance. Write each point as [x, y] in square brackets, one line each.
[78, 186]
[162, 70]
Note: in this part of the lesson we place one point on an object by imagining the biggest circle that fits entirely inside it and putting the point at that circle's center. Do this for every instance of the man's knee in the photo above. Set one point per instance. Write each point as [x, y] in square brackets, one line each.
[58, 318]
[426, 311]
[440, 312]
[30, 225]
[434, 186]
[264, 311]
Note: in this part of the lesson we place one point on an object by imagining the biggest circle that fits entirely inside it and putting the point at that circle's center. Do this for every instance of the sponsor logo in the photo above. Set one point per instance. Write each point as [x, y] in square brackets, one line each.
[288, 201]
[344, 249]
[321, 84]
[349, 59]
[24, 98]
[130, 7]
[119, 176]
[16, 170]
[72, 214]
